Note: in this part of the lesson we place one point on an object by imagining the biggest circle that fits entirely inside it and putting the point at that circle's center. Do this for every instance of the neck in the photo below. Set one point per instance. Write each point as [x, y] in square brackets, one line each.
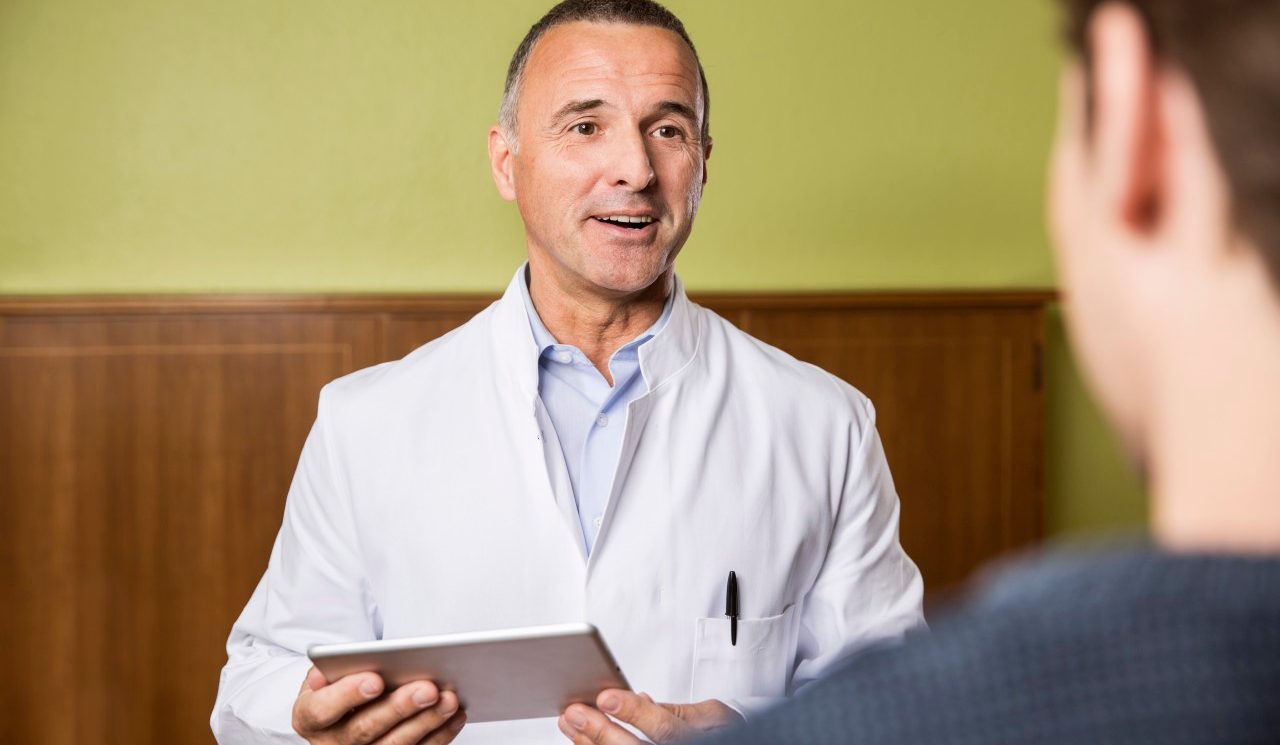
[1213, 457]
[597, 323]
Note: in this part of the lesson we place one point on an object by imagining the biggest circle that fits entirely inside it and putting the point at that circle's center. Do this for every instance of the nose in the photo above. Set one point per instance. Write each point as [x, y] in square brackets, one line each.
[629, 164]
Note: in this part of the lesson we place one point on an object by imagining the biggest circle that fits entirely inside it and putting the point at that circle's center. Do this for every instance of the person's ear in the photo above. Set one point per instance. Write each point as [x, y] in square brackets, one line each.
[1126, 127]
[502, 164]
[706, 156]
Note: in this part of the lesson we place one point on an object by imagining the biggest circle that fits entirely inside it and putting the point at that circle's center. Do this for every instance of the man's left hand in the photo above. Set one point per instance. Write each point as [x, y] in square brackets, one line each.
[661, 723]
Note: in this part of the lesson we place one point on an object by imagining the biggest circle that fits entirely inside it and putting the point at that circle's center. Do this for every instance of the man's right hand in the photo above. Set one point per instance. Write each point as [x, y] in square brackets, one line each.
[350, 712]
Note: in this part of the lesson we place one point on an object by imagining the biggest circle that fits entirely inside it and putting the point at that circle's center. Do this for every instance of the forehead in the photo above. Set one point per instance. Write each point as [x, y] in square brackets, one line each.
[604, 60]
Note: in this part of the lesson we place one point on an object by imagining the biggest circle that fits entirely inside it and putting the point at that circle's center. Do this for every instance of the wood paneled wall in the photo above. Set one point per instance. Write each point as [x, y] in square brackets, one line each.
[146, 446]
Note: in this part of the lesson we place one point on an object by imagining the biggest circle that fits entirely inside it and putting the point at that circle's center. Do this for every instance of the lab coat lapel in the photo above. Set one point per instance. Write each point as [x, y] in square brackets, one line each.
[637, 416]
[541, 460]
[556, 471]
[662, 360]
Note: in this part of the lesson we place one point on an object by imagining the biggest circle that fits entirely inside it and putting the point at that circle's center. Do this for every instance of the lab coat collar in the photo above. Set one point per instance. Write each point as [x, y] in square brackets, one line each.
[675, 344]
[515, 349]
[667, 353]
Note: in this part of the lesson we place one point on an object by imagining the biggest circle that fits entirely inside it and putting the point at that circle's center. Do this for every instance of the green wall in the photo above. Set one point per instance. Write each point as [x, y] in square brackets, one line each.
[316, 145]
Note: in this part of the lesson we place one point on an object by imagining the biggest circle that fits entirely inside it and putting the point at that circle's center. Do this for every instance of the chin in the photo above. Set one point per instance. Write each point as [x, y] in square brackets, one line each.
[627, 274]
[625, 284]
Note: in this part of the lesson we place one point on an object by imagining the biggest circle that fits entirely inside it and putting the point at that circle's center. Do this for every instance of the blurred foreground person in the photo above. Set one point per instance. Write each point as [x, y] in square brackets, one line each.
[1165, 210]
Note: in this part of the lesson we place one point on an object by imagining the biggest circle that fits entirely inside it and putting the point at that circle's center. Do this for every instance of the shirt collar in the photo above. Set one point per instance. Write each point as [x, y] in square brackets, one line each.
[666, 354]
[543, 339]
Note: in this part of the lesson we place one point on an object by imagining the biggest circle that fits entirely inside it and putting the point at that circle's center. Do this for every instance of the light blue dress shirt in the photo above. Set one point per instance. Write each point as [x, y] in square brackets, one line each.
[588, 415]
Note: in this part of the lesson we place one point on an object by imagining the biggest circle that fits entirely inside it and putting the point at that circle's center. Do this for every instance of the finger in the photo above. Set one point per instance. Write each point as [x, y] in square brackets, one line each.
[705, 715]
[417, 722]
[587, 726]
[377, 719]
[656, 722]
[319, 709]
[314, 681]
[446, 734]
[574, 736]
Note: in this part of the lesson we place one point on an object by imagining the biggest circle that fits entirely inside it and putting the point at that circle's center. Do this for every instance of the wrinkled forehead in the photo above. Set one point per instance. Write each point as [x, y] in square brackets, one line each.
[609, 61]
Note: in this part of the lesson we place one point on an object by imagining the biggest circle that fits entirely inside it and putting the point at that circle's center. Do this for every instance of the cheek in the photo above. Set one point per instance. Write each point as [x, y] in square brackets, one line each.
[548, 185]
[1100, 324]
[1104, 356]
[1063, 211]
[1096, 323]
[679, 172]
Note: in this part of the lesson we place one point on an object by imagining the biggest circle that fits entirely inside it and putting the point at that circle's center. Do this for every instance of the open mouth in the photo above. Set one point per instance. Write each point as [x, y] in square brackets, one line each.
[637, 222]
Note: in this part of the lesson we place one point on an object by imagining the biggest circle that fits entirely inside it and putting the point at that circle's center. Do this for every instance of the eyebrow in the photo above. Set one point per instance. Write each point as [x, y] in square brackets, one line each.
[679, 109]
[575, 107]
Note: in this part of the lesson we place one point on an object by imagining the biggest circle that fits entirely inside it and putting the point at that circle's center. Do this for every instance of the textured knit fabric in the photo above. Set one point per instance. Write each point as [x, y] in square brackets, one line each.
[1135, 646]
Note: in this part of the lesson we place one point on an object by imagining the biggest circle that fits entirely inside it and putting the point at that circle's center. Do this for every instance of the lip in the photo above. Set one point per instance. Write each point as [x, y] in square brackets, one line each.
[617, 231]
[626, 213]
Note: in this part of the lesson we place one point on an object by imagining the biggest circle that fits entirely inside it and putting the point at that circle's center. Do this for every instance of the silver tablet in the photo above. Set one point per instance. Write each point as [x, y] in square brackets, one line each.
[505, 674]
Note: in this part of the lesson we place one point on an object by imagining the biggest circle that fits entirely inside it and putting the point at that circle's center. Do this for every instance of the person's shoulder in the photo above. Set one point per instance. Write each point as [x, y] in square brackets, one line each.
[1085, 578]
[1105, 597]
[393, 380]
[793, 383]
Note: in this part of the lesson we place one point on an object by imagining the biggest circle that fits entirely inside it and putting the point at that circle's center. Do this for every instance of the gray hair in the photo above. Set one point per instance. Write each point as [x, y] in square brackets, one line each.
[630, 12]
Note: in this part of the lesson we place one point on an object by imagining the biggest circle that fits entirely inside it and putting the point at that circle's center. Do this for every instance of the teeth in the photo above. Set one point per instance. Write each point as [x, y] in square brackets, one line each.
[625, 218]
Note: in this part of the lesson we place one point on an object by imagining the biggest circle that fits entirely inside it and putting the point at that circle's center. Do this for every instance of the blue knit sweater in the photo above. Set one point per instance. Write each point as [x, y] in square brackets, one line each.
[1133, 646]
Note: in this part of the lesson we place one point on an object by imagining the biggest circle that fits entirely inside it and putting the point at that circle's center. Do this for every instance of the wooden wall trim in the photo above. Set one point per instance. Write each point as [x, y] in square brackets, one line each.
[887, 300]
[472, 302]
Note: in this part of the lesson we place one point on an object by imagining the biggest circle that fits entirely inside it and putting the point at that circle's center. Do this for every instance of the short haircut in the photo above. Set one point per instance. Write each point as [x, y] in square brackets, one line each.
[1230, 50]
[629, 12]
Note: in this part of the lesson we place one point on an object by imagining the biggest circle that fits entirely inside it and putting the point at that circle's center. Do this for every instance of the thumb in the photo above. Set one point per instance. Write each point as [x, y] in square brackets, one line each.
[656, 721]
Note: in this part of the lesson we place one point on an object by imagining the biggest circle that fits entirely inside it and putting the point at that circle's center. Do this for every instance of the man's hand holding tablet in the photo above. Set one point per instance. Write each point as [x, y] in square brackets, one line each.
[434, 685]
[349, 711]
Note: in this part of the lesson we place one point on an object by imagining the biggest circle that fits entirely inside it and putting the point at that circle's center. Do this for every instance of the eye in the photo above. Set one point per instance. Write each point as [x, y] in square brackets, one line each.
[667, 132]
[585, 128]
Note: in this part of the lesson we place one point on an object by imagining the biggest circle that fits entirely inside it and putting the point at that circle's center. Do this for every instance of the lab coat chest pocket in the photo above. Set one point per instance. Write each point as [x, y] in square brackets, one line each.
[758, 665]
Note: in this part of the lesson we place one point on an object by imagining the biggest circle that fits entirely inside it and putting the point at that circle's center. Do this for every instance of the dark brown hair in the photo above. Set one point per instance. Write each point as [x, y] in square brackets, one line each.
[1230, 50]
[631, 12]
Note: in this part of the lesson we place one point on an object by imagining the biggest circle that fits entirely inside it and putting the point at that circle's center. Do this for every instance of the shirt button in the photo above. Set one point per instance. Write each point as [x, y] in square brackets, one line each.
[602, 420]
[596, 522]
[564, 357]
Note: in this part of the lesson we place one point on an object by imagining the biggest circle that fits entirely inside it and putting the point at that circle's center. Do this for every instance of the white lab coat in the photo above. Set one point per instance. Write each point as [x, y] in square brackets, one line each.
[424, 503]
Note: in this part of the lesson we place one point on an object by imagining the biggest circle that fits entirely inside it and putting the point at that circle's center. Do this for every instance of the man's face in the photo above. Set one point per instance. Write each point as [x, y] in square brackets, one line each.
[609, 122]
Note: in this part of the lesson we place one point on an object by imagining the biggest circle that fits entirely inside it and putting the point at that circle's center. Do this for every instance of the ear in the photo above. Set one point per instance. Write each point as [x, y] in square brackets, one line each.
[706, 156]
[1127, 132]
[502, 164]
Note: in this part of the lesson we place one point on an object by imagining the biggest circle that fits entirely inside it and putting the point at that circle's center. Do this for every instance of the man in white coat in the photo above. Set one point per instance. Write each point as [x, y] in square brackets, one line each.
[591, 447]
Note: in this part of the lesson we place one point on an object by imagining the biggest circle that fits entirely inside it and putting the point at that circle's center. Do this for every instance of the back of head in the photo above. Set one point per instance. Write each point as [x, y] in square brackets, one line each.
[1230, 50]
[1166, 216]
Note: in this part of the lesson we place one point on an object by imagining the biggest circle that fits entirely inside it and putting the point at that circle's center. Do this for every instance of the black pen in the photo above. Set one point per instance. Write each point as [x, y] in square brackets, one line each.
[731, 607]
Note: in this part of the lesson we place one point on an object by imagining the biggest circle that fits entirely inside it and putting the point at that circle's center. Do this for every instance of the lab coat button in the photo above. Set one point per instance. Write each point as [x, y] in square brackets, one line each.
[602, 420]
